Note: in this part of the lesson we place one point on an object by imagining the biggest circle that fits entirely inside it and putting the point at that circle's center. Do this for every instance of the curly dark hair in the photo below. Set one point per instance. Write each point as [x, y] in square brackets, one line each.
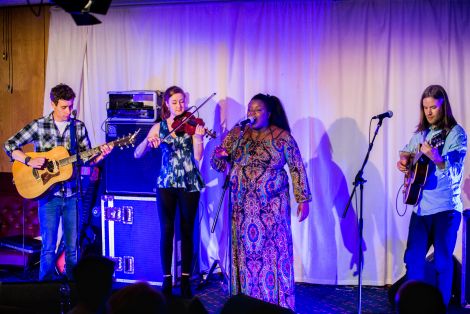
[274, 106]
[61, 91]
[448, 121]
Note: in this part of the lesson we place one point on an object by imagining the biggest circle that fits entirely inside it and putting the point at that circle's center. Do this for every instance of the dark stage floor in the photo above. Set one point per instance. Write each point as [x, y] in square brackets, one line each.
[310, 298]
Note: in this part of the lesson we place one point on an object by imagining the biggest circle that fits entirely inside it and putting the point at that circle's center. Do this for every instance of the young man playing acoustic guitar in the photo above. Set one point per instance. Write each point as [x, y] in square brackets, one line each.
[437, 210]
[48, 133]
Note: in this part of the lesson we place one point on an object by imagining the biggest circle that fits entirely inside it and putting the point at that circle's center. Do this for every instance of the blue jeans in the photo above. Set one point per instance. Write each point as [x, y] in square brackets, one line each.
[51, 208]
[439, 230]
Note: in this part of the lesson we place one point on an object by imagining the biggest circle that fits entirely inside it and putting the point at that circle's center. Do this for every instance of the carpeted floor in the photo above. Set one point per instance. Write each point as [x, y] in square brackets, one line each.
[310, 298]
[314, 299]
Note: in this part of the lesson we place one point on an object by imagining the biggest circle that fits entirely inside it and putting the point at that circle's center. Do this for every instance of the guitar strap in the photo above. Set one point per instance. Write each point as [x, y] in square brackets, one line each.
[73, 136]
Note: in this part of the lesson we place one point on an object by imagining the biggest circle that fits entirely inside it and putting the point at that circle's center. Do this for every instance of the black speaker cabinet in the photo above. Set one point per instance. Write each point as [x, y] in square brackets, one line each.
[430, 277]
[124, 174]
[465, 296]
[37, 297]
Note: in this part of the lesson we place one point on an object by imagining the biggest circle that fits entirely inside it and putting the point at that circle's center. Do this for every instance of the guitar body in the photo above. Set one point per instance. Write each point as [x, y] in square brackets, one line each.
[415, 180]
[32, 183]
[418, 172]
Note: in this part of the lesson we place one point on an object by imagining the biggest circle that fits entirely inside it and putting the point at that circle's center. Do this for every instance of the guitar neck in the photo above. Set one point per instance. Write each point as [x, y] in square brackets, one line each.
[83, 156]
[416, 158]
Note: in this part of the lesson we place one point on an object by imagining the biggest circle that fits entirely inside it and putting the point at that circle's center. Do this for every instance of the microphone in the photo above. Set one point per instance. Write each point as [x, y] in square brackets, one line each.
[387, 114]
[73, 114]
[249, 120]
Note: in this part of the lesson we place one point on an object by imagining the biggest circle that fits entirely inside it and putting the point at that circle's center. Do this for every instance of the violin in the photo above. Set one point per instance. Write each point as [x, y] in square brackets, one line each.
[186, 123]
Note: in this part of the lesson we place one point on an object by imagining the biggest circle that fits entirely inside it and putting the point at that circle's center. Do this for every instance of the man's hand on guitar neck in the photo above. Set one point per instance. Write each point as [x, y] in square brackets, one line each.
[105, 150]
[433, 154]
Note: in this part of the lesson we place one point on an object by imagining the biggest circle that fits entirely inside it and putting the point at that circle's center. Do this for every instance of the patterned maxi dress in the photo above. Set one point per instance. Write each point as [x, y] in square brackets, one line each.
[262, 252]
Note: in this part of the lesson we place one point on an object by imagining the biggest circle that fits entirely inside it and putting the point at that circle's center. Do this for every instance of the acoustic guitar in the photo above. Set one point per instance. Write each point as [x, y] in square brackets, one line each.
[417, 173]
[32, 183]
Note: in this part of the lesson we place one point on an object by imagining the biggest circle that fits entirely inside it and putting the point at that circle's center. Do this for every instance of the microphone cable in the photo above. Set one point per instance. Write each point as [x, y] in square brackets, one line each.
[396, 202]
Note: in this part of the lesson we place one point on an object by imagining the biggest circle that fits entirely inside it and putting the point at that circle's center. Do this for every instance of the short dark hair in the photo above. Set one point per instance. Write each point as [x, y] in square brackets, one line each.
[61, 91]
[448, 121]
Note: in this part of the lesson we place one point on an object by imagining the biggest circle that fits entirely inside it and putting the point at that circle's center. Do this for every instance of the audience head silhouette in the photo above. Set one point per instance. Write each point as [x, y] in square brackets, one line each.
[137, 298]
[419, 297]
[94, 279]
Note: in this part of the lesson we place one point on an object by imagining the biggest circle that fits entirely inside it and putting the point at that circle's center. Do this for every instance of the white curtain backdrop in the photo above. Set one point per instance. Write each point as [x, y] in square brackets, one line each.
[334, 64]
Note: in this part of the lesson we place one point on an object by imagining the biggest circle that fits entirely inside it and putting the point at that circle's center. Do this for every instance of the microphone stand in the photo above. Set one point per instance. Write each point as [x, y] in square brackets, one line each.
[224, 190]
[359, 181]
[77, 170]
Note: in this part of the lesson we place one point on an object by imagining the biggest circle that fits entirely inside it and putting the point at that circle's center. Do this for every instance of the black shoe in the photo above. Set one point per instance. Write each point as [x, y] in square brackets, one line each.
[185, 287]
[167, 286]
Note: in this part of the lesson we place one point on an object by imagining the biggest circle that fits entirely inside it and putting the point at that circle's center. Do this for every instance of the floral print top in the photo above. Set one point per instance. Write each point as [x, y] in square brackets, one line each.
[179, 169]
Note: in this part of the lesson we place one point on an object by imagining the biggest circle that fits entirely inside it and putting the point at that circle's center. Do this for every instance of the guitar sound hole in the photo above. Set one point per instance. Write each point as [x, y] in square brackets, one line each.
[50, 166]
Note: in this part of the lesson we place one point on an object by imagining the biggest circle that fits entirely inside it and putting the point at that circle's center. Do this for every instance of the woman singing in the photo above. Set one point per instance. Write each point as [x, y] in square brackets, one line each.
[262, 252]
[179, 183]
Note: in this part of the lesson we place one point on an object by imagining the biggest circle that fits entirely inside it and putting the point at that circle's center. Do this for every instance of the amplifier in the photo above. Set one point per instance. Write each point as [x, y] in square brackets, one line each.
[134, 105]
[144, 114]
[124, 174]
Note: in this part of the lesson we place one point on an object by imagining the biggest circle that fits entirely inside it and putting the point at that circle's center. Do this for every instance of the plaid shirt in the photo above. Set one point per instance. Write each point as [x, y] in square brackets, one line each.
[45, 135]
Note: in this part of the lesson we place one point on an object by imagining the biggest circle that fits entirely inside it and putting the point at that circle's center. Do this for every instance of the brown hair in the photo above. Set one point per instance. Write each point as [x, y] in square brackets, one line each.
[61, 91]
[447, 121]
[170, 91]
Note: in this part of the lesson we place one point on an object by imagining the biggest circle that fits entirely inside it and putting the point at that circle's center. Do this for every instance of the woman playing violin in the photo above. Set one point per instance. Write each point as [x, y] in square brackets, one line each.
[179, 183]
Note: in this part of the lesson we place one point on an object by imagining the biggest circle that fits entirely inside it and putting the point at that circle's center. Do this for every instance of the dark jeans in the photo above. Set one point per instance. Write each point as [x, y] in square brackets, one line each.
[168, 200]
[439, 230]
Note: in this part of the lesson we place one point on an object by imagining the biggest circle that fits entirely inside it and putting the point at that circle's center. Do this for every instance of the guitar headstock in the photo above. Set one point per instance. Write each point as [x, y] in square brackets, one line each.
[438, 139]
[126, 141]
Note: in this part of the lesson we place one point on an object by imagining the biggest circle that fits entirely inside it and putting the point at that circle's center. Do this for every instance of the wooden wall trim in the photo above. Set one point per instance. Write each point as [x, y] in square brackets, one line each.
[29, 41]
